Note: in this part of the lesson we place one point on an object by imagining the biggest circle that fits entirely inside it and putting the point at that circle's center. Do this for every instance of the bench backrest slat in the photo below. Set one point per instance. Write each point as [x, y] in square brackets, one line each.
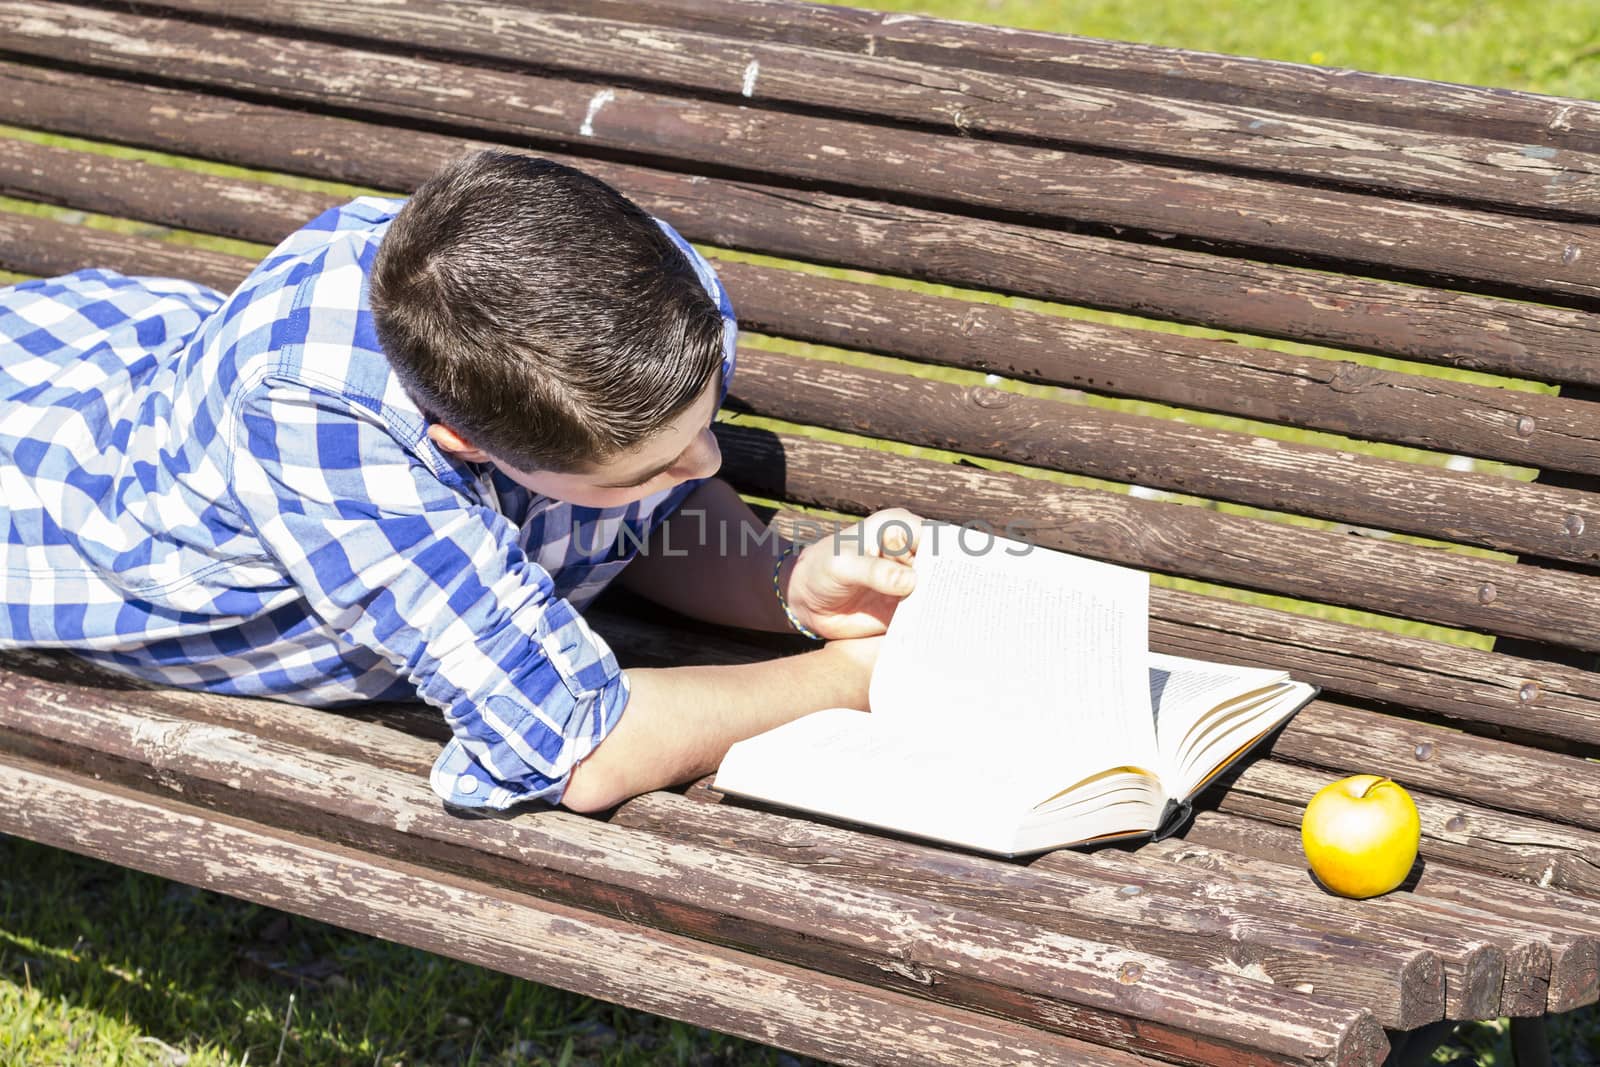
[1359, 96]
[1269, 219]
[1417, 583]
[1005, 106]
[1169, 283]
[965, 219]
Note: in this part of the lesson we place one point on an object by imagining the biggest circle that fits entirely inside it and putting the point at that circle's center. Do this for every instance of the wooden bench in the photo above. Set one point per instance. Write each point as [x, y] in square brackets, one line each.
[1434, 226]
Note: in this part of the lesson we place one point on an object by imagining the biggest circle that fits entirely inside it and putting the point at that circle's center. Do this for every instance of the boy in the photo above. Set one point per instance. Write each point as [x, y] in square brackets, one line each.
[398, 461]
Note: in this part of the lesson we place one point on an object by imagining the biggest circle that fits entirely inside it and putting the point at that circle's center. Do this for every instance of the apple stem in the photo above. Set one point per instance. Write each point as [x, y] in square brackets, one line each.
[1373, 786]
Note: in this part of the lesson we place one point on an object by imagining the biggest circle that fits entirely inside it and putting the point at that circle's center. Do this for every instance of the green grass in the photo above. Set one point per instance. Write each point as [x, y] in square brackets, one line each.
[100, 965]
[103, 966]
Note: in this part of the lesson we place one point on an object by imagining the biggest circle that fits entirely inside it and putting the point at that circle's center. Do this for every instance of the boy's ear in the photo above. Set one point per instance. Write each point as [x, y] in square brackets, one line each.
[456, 445]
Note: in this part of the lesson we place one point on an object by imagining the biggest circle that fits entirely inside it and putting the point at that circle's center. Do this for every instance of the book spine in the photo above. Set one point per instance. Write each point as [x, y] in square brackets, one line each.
[1173, 818]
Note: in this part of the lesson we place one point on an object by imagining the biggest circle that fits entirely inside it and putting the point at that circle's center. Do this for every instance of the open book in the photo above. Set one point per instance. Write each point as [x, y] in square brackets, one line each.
[1017, 708]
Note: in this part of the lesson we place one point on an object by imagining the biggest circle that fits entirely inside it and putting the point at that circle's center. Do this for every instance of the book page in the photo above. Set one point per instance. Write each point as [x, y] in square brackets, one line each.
[1020, 656]
[1230, 733]
[841, 763]
[1183, 691]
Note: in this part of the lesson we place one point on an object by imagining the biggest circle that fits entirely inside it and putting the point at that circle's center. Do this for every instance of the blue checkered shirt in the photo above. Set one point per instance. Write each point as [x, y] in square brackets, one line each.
[235, 494]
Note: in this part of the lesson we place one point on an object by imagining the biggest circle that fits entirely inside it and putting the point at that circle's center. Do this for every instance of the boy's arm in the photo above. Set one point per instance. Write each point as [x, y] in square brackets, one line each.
[712, 559]
[680, 721]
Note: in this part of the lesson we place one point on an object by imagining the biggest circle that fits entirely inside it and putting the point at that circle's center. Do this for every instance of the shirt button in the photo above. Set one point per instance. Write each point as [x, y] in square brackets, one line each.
[467, 784]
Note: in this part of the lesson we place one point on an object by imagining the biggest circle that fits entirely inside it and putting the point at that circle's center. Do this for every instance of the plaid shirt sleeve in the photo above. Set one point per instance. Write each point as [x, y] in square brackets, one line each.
[398, 562]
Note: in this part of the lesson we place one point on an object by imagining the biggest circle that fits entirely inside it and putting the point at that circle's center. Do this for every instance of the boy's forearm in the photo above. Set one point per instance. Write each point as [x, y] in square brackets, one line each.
[680, 721]
[712, 560]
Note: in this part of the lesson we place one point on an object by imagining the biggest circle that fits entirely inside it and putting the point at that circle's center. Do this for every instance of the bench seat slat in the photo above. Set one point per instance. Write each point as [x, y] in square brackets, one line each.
[973, 103]
[1083, 988]
[1271, 855]
[1360, 572]
[336, 733]
[1273, 220]
[1224, 932]
[705, 984]
[1360, 96]
[1534, 702]
[1458, 832]
[1168, 283]
[1496, 774]
[1546, 965]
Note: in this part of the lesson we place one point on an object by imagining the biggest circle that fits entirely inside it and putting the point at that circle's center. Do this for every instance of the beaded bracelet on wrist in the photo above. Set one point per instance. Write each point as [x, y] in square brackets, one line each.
[784, 604]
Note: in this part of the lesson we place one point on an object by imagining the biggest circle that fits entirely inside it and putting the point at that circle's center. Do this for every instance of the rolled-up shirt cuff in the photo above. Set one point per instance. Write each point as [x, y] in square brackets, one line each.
[461, 781]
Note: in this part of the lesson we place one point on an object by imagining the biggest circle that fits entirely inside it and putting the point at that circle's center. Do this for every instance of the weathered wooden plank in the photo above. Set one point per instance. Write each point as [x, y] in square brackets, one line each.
[1463, 834]
[1550, 432]
[44, 247]
[1211, 375]
[1484, 575]
[465, 919]
[1495, 774]
[1534, 702]
[1409, 103]
[1262, 935]
[326, 732]
[1524, 990]
[1363, 490]
[1433, 502]
[1270, 219]
[1085, 989]
[1161, 282]
[224, 205]
[1193, 923]
[968, 102]
[1270, 855]
[1397, 579]
[391, 735]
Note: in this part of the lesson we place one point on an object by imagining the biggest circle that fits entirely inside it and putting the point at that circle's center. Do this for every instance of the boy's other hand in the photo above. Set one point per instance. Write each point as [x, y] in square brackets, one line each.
[848, 585]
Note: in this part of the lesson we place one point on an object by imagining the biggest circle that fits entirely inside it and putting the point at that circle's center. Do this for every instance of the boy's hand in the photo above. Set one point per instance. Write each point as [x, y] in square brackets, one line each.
[848, 585]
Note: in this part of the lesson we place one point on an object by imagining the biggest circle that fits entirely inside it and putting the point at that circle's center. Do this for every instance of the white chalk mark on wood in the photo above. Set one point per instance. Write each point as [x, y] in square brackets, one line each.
[750, 73]
[596, 102]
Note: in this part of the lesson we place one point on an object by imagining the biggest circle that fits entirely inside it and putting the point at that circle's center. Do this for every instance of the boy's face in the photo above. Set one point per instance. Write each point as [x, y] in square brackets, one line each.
[685, 449]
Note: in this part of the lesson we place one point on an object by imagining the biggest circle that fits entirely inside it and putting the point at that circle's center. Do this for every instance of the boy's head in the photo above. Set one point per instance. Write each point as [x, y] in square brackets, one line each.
[545, 323]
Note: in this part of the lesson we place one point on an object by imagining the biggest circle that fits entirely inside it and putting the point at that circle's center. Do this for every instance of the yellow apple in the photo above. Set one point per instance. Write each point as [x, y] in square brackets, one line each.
[1361, 835]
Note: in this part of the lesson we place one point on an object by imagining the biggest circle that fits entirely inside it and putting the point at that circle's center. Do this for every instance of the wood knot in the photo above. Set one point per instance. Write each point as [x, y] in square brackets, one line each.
[984, 397]
[1350, 377]
[915, 972]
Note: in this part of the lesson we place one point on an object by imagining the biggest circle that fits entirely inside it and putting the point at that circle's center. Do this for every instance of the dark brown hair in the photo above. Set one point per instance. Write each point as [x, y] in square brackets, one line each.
[540, 313]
